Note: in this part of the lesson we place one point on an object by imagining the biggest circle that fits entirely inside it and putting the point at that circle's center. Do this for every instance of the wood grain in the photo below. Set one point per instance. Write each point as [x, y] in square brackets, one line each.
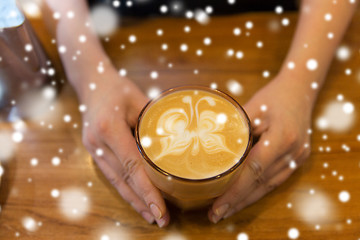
[26, 189]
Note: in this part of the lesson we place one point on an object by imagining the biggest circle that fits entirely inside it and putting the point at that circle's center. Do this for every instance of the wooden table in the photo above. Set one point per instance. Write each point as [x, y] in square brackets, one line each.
[308, 201]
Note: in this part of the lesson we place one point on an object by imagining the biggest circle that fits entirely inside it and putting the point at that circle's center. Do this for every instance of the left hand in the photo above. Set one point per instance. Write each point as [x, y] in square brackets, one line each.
[284, 111]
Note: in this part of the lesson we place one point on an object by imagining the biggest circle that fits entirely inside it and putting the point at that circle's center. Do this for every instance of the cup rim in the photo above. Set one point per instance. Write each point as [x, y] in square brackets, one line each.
[193, 87]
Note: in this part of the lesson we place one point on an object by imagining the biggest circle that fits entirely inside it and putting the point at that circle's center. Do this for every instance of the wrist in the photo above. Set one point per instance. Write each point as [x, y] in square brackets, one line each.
[88, 85]
[300, 84]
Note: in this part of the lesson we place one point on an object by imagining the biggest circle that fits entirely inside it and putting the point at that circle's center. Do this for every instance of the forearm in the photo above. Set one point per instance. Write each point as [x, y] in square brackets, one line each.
[320, 29]
[79, 48]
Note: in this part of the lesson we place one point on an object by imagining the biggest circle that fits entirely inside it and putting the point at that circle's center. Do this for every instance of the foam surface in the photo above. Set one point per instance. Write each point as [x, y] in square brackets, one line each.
[194, 134]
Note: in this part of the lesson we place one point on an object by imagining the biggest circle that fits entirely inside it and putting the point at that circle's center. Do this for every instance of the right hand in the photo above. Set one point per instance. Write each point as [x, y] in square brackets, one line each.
[112, 110]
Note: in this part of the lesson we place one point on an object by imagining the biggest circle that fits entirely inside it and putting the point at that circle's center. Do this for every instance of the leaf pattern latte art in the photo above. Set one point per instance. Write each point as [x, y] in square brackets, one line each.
[177, 136]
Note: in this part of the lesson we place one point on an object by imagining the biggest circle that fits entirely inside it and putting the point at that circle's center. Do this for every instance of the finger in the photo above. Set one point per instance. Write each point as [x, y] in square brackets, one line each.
[283, 171]
[136, 104]
[289, 161]
[111, 167]
[256, 114]
[277, 174]
[260, 192]
[252, 109]
[264, 154]
[134, 175]
[124, 190]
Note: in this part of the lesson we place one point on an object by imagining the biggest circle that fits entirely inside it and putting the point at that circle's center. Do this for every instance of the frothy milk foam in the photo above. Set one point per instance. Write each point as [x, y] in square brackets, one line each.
[193, 134]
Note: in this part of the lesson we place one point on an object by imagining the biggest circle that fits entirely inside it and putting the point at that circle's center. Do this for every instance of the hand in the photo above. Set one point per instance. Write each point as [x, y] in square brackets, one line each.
[282, 112]
[112, 110]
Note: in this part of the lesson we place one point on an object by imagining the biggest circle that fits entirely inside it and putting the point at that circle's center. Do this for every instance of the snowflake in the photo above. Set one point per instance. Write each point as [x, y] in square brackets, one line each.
[237, 31]
[55, 193]
[344, 196]
[132, 38]
[312, 64]
[279, 9]
[293, 233]
[55, 161]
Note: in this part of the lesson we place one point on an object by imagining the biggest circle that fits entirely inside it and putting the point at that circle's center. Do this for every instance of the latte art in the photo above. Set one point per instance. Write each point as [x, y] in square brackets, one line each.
[193, 134]
[178, 137]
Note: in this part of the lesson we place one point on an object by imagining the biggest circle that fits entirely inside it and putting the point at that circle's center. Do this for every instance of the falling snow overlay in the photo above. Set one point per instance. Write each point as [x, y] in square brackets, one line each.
[55, 147]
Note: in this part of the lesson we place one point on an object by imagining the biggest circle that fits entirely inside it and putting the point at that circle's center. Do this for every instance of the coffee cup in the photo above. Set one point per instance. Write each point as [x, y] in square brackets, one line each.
[194, 141]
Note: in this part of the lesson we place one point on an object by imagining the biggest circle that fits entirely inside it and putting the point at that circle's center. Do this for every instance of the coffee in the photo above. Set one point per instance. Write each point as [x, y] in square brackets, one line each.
[194, 134]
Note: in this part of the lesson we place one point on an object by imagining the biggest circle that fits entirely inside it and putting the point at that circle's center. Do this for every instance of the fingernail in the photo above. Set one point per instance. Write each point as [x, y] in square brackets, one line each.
[215, 218]
[148, 217]
[161, 222]
[220, 211]
[155, 211]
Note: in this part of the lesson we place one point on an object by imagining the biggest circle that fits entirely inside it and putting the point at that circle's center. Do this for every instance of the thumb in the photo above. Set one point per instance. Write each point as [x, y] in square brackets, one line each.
[252, 109]
[138, 102]
[256, 112]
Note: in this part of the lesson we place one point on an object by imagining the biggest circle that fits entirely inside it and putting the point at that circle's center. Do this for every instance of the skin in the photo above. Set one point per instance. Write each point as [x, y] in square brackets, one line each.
[289, 99]
[113, 108]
